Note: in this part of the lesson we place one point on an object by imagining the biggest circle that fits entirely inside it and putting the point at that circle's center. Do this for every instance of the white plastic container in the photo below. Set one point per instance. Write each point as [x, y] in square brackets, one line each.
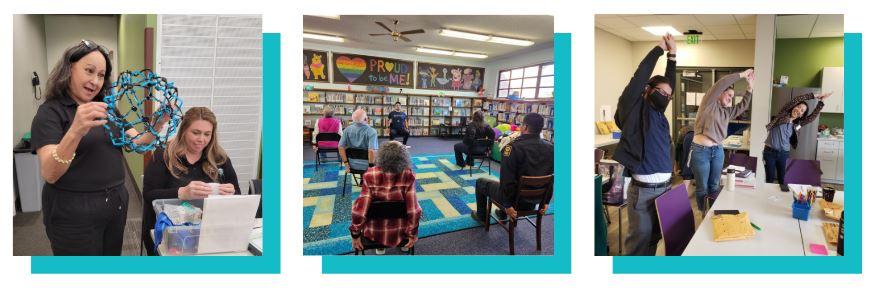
[178, 240]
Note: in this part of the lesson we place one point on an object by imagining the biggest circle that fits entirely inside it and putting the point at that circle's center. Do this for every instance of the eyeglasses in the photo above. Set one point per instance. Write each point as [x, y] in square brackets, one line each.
[92, 45]
[663, 92]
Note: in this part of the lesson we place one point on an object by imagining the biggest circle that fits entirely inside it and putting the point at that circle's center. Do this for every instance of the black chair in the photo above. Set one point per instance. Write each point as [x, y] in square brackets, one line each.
[321, 152]
[255, 189]
[354, 153]
[381, 210]
[486, 144]
[531, 190]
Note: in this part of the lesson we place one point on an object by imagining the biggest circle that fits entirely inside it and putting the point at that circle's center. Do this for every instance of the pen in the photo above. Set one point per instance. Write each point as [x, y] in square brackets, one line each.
[755, 226]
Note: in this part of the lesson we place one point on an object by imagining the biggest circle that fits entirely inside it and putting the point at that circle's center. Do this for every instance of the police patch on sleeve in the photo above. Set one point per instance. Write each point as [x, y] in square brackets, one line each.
[507, 150]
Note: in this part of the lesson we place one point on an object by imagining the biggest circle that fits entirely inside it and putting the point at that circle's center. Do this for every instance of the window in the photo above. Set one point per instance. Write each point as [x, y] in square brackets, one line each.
[530, 82]
[216, 61]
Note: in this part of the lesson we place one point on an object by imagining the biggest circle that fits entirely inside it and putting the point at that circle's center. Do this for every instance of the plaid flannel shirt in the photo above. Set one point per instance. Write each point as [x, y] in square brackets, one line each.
[380, 186]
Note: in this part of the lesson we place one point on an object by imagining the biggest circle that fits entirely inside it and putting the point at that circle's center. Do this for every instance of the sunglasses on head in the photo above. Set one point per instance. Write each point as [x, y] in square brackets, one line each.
[92, 45]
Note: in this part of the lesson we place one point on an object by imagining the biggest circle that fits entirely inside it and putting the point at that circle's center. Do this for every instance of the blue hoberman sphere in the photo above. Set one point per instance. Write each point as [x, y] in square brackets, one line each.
[139, 88]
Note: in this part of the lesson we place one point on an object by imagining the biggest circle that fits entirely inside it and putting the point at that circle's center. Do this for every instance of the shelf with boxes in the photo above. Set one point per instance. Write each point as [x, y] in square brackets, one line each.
[427, 115]
[513, 112]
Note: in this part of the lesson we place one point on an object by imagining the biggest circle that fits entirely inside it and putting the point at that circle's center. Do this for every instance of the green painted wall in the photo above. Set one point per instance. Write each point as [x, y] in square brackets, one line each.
[131, 56]
[803, 59]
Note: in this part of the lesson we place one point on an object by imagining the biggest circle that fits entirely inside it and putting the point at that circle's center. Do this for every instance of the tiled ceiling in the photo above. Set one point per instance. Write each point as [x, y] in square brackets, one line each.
[720, 26]
[355, 28]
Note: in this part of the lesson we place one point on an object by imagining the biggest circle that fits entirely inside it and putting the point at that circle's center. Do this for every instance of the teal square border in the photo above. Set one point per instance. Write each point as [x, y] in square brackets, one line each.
[558, 263]
[851, 263]
[269, 263]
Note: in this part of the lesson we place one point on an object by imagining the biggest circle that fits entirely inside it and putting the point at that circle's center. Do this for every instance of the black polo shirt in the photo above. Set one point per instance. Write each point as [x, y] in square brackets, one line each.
[98, 164]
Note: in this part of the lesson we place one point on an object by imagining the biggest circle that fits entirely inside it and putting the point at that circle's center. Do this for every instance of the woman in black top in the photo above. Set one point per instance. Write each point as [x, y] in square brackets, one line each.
[192, 160]
[85, 203]
[477, 129]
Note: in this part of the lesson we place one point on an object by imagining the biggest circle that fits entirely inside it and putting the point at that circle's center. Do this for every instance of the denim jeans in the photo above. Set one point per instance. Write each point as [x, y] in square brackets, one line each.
[706, 163]
[776, 164]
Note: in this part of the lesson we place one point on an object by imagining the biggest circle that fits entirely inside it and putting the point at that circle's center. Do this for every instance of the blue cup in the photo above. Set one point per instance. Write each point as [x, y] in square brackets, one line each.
[801, 210]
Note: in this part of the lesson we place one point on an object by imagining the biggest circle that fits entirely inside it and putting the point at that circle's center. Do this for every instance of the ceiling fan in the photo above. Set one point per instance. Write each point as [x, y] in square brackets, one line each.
[395, 33]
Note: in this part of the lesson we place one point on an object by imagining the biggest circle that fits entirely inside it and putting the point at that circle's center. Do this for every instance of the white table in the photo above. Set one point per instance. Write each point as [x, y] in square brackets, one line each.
[770, 209]
[605, 140]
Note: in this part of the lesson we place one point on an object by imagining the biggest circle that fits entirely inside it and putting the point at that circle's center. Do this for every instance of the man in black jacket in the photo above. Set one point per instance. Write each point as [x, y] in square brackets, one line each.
[644, 148]
[528, 155]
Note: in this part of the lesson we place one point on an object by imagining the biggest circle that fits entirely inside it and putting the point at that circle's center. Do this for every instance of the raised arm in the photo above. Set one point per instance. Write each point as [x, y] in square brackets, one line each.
[808, 119]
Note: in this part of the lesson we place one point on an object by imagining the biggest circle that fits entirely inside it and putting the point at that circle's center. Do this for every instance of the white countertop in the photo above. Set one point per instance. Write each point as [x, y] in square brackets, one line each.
[831, 138]
[770, 209]
[605, 140]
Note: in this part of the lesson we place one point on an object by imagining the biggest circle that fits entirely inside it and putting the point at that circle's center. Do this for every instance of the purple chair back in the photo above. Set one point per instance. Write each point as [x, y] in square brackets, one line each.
[741, 159]
[675, 219]
[805, 172]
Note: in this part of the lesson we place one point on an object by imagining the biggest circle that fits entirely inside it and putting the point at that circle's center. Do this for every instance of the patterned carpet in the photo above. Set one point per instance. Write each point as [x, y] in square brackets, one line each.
[445, 193]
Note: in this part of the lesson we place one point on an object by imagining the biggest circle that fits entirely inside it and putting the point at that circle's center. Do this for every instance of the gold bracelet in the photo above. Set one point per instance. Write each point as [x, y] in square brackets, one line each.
[58, 158]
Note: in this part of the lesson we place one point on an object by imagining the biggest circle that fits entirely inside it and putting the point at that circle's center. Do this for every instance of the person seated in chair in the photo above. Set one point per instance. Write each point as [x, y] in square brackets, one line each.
[327, 124]
[528, 155]
[398, 126]
[359, 135]
[477, 129]
[391, 179]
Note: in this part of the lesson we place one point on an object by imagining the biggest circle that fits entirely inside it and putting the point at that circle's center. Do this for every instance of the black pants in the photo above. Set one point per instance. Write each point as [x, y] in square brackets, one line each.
[399, 133]
[489, 189]
[776, 164]
[85, 223]
[462, 149]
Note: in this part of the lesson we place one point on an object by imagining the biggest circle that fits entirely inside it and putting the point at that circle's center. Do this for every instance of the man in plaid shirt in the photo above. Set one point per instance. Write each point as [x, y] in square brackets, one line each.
[390, 180]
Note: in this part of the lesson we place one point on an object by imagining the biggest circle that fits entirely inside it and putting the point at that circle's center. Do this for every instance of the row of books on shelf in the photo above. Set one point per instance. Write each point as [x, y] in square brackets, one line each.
[420, 101]
[462, 112]
[415, 110]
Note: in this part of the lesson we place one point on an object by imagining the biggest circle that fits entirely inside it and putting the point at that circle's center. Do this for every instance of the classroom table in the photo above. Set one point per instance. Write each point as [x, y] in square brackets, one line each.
[255, 244]
[605, 140]
[770, 209]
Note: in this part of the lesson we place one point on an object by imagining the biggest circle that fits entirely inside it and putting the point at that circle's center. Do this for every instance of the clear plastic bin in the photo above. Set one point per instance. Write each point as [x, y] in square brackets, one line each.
[179, 240]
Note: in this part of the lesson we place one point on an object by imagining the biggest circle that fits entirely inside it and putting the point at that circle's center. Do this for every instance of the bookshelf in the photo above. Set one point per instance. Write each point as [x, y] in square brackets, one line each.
[513, 112]
[426, 115]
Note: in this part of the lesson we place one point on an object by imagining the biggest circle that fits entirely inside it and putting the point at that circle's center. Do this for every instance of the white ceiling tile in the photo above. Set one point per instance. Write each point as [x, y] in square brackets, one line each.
[794, 26]
[826, 34]
[716, 19]
[680, 20]
[746, 19]
[829, 23]
[749, 30]
[615, 23]
[645, 20]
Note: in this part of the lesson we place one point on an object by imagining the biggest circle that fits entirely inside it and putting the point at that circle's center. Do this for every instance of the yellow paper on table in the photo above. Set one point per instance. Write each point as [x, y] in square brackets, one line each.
[729, 227]
[603, 128]
[612, 126]
[831, 209]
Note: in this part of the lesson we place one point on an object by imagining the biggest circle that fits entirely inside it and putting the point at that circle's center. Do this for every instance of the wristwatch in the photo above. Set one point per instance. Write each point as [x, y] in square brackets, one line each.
[671, 55]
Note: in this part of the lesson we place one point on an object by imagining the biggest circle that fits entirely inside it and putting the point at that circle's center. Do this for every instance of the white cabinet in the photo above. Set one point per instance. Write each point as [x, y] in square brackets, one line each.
[833, 80]
[830, 153]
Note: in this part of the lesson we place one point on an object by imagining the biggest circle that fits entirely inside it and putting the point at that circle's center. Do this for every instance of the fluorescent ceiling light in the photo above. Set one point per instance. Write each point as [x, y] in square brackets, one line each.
[509, 41]
[463, 35]
[470, 55]
[662, 30]
[323, 37]
[433, 51]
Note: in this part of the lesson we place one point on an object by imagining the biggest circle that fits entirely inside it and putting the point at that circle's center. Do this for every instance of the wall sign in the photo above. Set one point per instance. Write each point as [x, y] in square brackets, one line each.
[449, 77]
[371, 70]
[315, 66]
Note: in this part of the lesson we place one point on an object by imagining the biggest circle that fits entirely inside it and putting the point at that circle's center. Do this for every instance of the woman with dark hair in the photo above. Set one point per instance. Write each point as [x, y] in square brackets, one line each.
[391, 179]
[189, 168]
[85, 203]
[783, 132]
[477, 129]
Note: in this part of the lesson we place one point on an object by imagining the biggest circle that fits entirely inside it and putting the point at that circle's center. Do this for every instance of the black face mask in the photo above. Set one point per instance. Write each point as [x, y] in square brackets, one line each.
[658, 100]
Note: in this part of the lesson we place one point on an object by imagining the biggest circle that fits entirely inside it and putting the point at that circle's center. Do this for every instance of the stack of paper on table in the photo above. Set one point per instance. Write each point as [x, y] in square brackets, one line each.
[831, 232]
[831, 209]
[732, 227]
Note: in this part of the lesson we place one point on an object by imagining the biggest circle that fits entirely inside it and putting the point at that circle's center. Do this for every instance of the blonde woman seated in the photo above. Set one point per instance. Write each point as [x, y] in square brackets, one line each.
[192, 162]
[390, 180]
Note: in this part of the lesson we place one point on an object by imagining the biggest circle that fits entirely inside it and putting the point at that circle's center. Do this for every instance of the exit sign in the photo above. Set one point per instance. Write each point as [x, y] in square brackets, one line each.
[693, 39]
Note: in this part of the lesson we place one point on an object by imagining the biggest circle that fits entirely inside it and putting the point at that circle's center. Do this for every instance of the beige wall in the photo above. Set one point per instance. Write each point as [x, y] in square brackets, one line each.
[613, 69]
[64, 31]
[617, 58]
[29, 51]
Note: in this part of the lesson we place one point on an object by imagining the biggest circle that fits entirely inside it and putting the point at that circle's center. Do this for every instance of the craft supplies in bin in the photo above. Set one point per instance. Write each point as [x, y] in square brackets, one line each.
[801, 210]
[181, 234]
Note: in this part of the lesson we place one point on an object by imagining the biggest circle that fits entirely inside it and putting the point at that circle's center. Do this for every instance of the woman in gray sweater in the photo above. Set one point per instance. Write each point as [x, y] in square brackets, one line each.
[712, 119]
